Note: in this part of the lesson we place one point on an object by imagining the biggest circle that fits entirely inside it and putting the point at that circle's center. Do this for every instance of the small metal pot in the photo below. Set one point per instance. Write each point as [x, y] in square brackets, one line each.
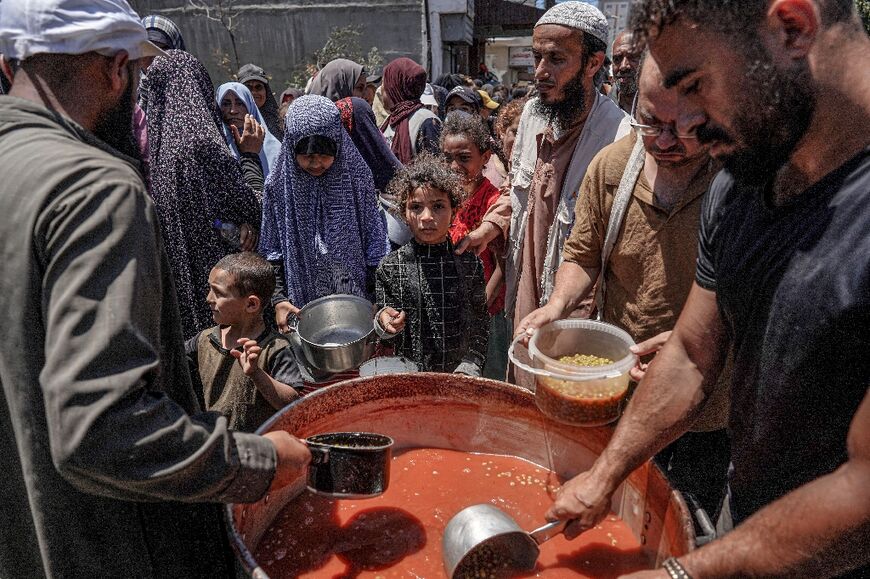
[336, 333]
[349, 464]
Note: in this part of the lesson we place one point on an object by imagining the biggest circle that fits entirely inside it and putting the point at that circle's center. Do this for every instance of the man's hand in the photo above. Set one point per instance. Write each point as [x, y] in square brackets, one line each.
[392, 320]
[252, 137]
[650, 346]
[248, 237]
[478, 240]
[584, 500]
[282, 313]
[248, 356]
[293, 458]
[540, 317]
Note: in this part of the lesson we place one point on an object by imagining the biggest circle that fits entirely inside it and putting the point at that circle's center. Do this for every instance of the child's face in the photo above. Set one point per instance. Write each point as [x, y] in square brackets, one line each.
[510, 136]
[465, 159]
[227, 306]
[429, 215]
[315, 165]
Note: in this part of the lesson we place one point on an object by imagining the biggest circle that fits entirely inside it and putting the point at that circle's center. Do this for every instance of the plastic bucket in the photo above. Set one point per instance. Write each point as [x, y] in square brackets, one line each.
[578, 395]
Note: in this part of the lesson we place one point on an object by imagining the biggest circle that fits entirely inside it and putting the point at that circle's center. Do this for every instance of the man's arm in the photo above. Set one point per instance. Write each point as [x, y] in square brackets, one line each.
[820, 529]
[663, 407]
[573, 283]
[112, 429]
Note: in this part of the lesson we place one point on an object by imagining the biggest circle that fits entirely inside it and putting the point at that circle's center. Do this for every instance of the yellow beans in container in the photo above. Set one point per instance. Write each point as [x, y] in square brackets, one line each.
[581, 370]
[584, 360]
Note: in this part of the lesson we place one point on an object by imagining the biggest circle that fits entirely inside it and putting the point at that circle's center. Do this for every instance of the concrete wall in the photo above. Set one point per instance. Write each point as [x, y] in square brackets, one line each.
[280, 35]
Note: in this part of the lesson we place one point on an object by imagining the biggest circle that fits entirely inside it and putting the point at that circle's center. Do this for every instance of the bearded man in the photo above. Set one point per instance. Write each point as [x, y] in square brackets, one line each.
[780, 91]
[109, 467]
[642, 197]
[625, 56]
[560, 131]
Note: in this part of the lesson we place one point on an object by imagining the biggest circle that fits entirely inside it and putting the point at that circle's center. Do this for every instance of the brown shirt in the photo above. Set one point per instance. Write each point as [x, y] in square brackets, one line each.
[652, 266]
[554, 156]
[227, 389]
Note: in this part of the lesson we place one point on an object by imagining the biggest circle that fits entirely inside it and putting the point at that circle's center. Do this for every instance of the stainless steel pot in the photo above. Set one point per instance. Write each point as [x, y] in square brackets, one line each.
[336, 333]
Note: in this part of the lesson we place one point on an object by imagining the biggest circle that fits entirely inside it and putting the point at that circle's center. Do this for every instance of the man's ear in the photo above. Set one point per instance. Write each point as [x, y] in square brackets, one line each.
[119, 72]
[253, 304]
[794, 25]
[6, 69]
[596, 61]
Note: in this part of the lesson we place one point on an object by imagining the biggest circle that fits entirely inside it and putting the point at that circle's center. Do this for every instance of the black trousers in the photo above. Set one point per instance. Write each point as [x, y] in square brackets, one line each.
[697, 464]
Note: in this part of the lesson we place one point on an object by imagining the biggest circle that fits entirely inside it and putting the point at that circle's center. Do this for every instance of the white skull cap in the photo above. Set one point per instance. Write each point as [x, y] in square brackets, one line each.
[579, 15]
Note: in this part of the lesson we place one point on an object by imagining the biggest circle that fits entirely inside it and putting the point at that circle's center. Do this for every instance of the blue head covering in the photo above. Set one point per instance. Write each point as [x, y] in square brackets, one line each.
[326, 225]
[271, 145]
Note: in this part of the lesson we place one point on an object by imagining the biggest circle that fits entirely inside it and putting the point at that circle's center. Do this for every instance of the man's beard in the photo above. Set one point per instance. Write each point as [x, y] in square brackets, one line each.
[572, 105]
[115, 127]
[774, 113]
[626, 85]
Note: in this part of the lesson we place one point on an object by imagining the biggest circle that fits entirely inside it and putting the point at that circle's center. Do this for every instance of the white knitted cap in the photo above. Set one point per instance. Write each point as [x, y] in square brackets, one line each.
[579, 15]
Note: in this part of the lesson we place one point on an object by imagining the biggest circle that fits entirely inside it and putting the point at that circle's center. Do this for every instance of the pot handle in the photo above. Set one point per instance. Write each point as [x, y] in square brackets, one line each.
[522, 366]
[548, 531]
[293, 330]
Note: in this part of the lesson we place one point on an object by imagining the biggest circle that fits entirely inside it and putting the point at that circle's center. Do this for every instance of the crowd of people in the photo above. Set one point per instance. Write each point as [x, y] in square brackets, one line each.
[705, 188]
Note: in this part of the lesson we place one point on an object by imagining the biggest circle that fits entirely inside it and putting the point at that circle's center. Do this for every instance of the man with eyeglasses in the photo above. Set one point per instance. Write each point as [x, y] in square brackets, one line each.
[659, 175]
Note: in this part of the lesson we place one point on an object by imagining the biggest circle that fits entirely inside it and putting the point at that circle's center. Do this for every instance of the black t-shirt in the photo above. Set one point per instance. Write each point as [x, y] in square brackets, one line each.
[793, 288]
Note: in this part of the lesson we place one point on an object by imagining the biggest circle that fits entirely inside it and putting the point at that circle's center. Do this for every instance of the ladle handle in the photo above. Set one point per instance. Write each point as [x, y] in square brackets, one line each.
[548, 531]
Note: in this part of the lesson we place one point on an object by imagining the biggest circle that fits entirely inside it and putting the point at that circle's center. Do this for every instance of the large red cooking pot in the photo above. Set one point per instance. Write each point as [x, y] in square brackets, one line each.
[473, 415]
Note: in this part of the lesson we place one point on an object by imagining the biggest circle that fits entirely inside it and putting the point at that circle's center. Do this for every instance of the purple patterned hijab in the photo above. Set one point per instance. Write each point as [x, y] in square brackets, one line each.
[321, 225]
[195, 179]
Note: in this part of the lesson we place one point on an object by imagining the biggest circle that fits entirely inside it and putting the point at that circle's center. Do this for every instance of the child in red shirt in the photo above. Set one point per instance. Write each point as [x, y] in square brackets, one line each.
[467, 146]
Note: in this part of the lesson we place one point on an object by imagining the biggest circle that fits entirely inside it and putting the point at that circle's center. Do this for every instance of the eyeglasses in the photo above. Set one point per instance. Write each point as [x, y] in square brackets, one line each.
[656, 130]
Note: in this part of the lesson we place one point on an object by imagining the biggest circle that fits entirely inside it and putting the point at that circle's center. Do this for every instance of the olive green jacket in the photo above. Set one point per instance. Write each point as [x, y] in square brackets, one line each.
[107, 469]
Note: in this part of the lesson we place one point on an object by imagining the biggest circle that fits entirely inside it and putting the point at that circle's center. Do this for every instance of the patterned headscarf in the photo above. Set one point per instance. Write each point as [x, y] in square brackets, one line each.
[326, 225]
[404, 83]
[163, 30]
[336, 80]
[194, 178]
[271, 145]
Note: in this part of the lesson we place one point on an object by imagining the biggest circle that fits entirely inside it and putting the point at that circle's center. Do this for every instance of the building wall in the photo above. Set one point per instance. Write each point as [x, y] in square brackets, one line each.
[618, 13]
[281, 35]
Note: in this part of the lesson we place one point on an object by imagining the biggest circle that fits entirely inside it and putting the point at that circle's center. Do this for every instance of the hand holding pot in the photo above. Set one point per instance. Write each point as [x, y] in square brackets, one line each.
[282, 312]
[584, 500]
[293, 458]
[392, 320]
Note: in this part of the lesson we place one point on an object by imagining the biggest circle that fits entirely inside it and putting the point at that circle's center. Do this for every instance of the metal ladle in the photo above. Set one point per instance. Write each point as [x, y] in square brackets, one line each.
[484, 535]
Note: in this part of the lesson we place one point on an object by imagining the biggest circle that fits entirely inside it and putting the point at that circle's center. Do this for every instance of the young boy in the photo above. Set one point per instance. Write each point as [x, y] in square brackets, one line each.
[245, 379]
[433, 301]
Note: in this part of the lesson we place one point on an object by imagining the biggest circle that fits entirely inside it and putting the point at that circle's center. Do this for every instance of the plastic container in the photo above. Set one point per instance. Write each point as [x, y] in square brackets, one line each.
[578, 395]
